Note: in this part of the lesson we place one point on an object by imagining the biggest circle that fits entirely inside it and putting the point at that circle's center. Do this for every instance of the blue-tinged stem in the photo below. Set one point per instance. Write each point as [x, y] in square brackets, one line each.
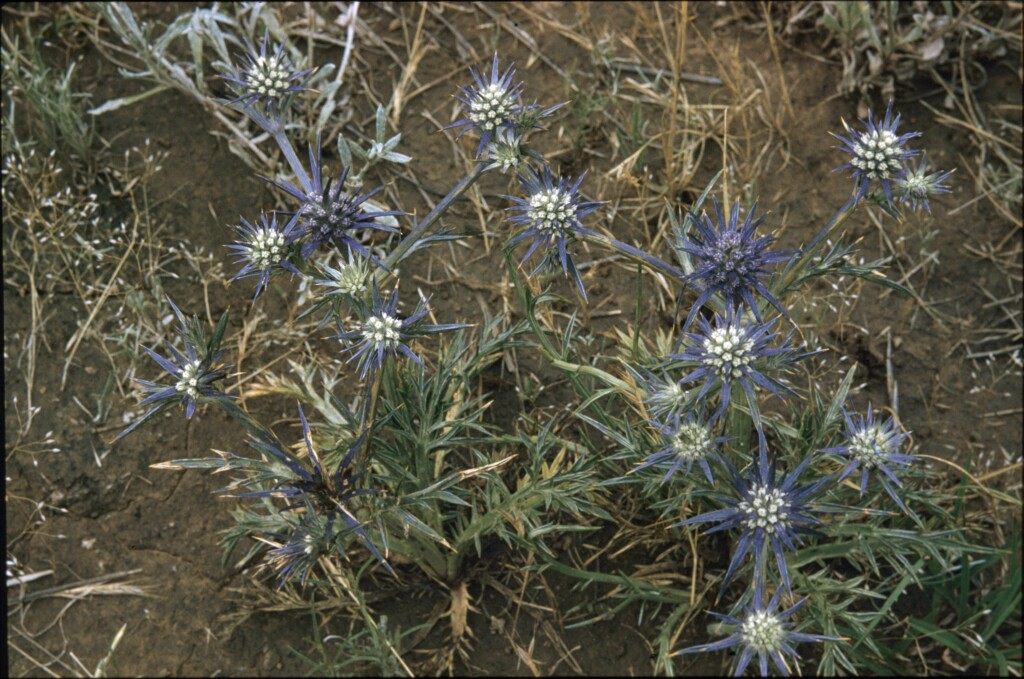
[797, 263]
[633, 253]
[289, 153]
[275, 128]
[420, 229]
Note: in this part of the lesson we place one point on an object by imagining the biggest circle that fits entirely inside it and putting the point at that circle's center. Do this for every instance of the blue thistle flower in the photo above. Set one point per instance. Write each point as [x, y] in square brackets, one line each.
[491, 105]
[349, 280]
[263, 249]
[329, 215]
[193, 373]
[916, 184]
[383, 332]
[505, 152]
[325, 495]
[266, 77]
[761, 631]
[732, 352]
[550, 215]
[877, 154]
[873, 444]
[731, 261]
[295, 556]
[773, 513]
[686, 441]
[662, 395]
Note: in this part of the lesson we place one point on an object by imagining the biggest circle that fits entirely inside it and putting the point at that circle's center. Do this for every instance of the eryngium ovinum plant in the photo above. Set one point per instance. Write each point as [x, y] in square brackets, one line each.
[379, 476]
[379, 481]
[809, 548]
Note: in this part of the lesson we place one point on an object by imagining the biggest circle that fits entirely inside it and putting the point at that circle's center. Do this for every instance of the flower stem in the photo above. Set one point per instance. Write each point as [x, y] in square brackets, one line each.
[633, 253]
[550, 352]
[293, 160]
[420, 229]
[580, 369]
[797, 264]
[369, 415]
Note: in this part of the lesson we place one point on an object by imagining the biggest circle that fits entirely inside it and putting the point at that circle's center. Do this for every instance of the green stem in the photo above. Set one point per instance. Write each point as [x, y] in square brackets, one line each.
[369, 415]
[593, 371]
[739, 428]
[572, 370]
[640, 588]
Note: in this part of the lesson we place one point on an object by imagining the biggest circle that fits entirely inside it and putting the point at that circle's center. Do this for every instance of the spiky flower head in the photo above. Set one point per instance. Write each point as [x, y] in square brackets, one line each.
[505, 151]
[491, 104]
[349, 280]
[873, 445]
[293, 555]
[383, 332]
[731, 352]
[772, 513]
[267, 77]
[550, 214]
[329, 215]
[662, 396]
[325, 495]
[263, 248]
[761, 631]
[345, 286]
[731, 261]
[193, 373]
[878, 153]
[686, 441]
[916, 185]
